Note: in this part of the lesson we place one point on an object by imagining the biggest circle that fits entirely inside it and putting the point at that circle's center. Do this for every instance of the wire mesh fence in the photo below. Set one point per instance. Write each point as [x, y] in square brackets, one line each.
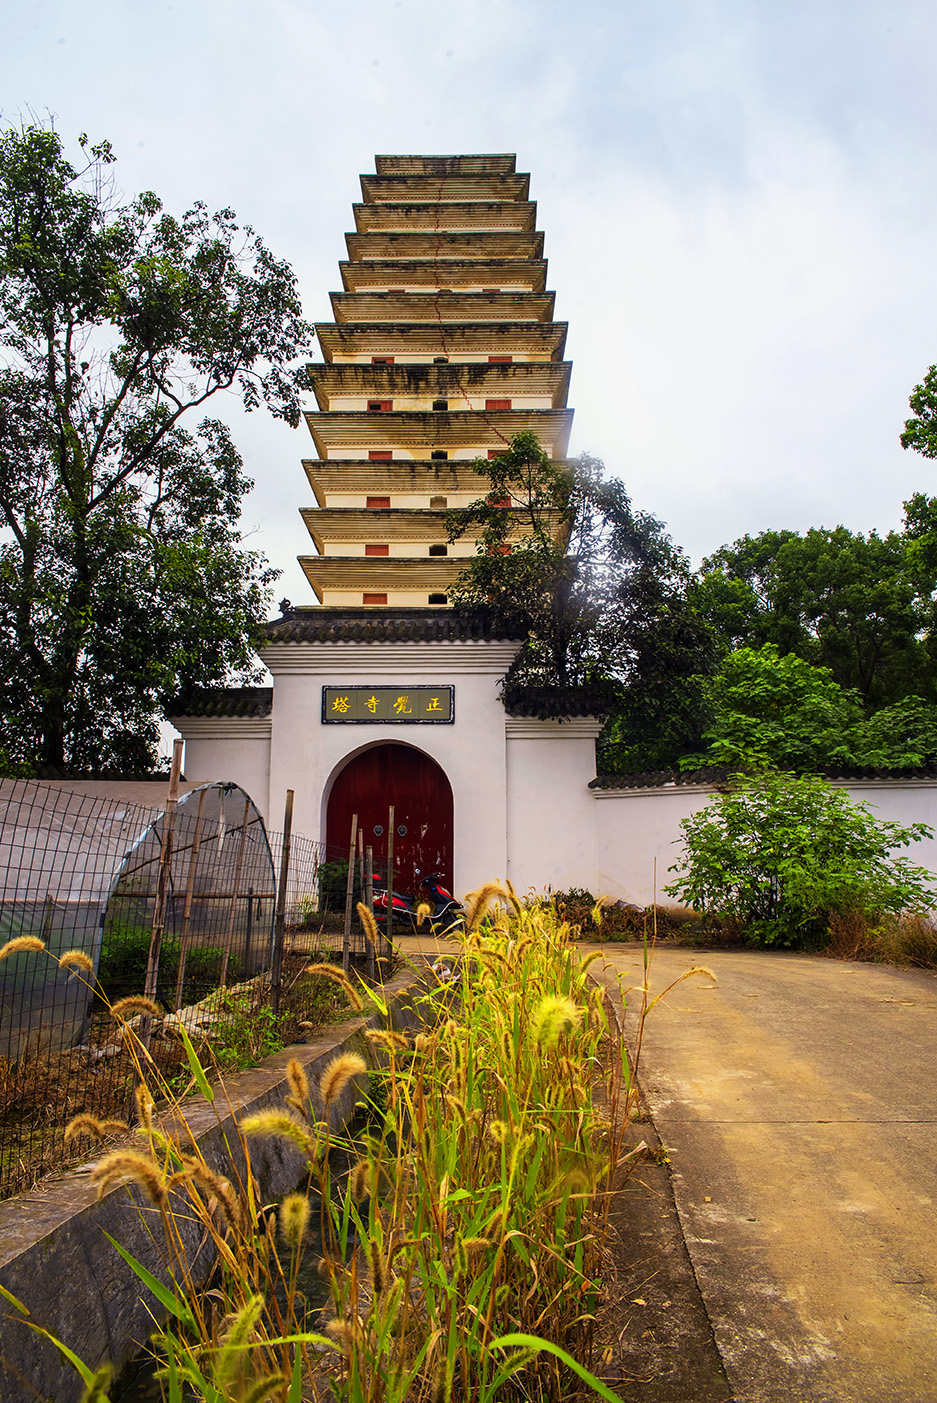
[81, 874]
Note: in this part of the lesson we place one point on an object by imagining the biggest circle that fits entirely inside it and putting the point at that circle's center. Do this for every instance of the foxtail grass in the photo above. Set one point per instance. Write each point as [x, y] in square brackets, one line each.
[463, 1251]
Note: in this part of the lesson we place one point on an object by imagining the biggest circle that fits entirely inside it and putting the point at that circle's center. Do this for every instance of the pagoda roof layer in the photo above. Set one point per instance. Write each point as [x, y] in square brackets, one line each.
[465, 214]
[366, 524]
[410, 338]
[381, 573]
[504, 162]
[425, 243]
[520, 377]
[442, 306]
[442, 478]
[396, 524]
[459, 428]
[359, 276]
[434, 189]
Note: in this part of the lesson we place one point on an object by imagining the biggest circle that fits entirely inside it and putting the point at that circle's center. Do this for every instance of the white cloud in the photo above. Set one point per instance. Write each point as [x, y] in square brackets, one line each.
[738, 199]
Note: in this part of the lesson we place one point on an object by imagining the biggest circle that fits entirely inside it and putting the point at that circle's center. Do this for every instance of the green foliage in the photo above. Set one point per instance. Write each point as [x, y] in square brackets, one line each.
[333, 882]
[777, 711]
[122, 965]
[245, 1034]
[778, 857]
[920, 431]
[598, 589]
[861, 606]
[770, 710]
[122, 577]
[903, 735]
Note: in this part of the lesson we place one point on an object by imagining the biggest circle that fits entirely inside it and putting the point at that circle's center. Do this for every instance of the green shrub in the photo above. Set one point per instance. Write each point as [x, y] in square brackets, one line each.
[779, 856]
[333, 879]
[125, 950]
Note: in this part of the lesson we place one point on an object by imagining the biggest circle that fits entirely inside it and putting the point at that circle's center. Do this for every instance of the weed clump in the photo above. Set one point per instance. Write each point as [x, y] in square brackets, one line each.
[462, 1250]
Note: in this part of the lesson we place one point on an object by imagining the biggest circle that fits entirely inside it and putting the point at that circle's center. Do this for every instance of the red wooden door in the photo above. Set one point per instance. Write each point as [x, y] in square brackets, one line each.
[422, 799]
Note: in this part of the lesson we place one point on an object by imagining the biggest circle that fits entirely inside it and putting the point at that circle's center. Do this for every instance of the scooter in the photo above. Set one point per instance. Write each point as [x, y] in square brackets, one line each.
[444, 908]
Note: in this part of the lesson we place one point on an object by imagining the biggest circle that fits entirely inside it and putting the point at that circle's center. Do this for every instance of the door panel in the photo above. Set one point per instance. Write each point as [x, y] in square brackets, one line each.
[422, 799]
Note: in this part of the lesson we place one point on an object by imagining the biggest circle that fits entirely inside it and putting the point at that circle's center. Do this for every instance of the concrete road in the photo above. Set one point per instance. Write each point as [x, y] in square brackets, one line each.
[798, 1100]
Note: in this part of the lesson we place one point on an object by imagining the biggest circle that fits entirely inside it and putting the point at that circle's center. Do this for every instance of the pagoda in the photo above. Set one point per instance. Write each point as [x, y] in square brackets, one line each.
[443, 348]
[384, 701]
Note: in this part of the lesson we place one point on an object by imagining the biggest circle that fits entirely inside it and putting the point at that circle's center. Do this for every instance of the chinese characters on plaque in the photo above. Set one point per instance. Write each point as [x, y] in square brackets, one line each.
[394, 704]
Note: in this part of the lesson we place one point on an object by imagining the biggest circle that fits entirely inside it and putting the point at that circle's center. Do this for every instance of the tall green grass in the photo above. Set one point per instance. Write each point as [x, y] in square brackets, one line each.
[460, 1232]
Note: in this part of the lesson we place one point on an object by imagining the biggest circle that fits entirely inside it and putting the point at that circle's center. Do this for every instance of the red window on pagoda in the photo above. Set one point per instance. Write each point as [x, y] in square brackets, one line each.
[380, 406]
[374, 599]
[497, 404]
[380, 455]
[494, 501]
[500, 360]
[382, 360]
[377, 503]
[377, 550]
[496, 453]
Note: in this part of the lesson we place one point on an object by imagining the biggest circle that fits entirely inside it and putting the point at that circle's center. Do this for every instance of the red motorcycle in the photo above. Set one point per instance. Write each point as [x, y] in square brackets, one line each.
[445, 910]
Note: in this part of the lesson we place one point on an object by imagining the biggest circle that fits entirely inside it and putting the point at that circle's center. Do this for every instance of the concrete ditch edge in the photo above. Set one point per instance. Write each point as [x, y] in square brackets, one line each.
[53, 1255]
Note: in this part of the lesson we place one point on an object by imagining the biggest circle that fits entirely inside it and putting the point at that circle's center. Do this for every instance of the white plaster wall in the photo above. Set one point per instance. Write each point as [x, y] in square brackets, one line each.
[406, 550]
[551, 818]
[222, 751]
[306, 755]
[416, 597]
[357, 453]
[427, 357]
[636, 827]
[912, 802]
[404, 501]
[346, 403]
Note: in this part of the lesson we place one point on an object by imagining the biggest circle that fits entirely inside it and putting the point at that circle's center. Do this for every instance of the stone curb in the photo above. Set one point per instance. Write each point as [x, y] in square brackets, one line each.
[53, 1255]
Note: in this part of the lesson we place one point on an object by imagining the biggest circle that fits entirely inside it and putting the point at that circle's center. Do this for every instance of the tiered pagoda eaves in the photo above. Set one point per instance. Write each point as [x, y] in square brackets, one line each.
[443, 347]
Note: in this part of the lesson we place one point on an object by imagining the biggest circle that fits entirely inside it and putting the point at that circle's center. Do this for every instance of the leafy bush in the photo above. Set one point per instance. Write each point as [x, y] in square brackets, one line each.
[779, 856]
[333, 879]
[122, 966]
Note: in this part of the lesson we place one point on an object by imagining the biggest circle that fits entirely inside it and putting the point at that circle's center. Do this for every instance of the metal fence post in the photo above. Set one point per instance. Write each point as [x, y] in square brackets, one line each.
[279, 926]
[390, 881]
[235, 893]
[349, 893]
[187, 909]
[250, 929]
[162, 886]
[368, 899]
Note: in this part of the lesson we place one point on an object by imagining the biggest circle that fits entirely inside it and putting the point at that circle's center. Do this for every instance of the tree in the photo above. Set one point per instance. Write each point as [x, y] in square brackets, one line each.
[778, 856]
[598, 589]
[774, 710]
[920, 431]
[859, 605]
[122, 577]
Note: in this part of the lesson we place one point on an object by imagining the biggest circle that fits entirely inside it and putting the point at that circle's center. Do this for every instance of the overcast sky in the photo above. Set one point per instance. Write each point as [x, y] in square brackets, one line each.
[739, 201]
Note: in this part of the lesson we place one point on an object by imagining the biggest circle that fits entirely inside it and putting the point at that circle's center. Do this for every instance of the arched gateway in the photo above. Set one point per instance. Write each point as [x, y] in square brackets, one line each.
[422, 798]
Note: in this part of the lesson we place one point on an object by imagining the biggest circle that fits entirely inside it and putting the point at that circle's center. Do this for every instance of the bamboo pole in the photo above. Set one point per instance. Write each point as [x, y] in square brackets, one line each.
[187, 909]
[279, 925]
[235, 893]
[162, 886]
[390, 881]
[349, 893]
[361, 862]
[368, 899]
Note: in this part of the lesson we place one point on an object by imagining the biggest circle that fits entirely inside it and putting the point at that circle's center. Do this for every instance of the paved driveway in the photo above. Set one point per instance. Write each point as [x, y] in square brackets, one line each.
[798, 1100]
